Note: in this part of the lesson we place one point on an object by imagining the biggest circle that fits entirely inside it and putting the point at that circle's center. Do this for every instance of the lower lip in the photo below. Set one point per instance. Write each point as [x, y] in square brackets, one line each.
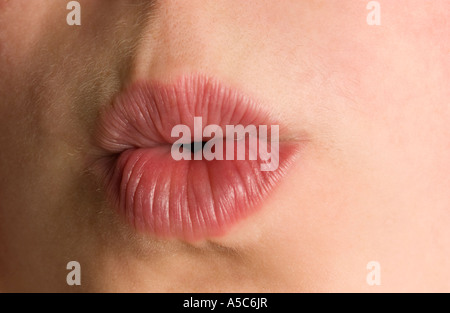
[186, 199]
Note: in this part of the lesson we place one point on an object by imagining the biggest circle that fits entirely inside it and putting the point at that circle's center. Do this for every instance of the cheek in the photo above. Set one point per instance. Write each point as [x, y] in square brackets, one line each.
[22, 25]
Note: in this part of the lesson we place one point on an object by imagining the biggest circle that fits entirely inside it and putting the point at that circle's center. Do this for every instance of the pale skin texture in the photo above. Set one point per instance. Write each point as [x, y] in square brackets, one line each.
[370, 103]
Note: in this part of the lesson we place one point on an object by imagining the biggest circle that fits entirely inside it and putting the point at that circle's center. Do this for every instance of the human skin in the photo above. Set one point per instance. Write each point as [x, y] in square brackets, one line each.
[369, 103]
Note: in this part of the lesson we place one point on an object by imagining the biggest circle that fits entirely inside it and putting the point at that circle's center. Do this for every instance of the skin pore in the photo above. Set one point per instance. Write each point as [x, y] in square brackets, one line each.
[369, 104]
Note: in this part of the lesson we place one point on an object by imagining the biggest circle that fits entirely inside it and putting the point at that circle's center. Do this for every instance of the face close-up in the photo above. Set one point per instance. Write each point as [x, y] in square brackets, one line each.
[120, 170]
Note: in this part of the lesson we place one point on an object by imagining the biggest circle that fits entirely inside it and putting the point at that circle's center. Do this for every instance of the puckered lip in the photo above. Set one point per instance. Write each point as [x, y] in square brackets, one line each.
[186, 199]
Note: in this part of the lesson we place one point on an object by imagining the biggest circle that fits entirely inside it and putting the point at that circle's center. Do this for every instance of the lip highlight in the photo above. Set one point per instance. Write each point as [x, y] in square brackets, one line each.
[184, 199]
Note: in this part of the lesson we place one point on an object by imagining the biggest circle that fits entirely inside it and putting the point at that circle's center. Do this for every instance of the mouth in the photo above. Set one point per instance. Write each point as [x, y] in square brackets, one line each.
[190, 198]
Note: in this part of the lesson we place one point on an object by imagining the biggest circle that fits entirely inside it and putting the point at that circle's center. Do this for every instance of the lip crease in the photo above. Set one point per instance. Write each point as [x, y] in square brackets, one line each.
[186, 199]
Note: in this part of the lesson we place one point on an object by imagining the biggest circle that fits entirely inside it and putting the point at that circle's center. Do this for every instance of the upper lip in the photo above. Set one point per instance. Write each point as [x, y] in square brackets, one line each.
[184, 199]
[158, 107]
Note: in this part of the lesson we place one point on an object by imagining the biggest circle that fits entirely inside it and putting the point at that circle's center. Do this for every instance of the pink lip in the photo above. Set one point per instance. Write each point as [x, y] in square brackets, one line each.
[186, 199]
